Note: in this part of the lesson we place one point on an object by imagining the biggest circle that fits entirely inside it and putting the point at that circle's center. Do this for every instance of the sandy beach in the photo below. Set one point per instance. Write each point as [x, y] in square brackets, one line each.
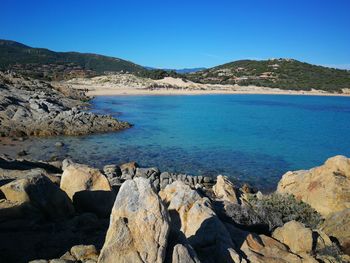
[101, 91]
[127, 84]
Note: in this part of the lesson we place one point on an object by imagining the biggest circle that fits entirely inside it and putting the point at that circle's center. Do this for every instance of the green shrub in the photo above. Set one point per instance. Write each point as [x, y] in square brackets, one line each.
[275, 209]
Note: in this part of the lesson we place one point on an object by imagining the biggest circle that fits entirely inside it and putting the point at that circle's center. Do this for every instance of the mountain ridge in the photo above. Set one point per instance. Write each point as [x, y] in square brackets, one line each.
[283, 73]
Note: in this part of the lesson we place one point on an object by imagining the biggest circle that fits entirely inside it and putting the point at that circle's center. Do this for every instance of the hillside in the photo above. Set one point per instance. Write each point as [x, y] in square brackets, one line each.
[275, 73]
[44, 63]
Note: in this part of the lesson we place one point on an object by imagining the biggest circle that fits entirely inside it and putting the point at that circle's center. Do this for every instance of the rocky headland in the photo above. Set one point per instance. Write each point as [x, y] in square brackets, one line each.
[63, 211]
[31, 107]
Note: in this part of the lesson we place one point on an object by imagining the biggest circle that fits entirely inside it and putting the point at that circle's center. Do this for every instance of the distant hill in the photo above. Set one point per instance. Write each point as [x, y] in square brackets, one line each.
[45, 63]
[185, 70]
[179, 71]
[275, 73]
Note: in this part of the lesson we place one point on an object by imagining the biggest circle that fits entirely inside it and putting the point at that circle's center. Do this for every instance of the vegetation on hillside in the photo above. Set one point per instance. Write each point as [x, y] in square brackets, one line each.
[40, 62]
[157, 74]
[275, 73]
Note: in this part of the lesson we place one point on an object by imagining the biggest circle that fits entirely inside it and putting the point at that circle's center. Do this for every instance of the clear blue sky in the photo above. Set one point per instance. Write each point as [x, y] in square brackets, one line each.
[177, 34]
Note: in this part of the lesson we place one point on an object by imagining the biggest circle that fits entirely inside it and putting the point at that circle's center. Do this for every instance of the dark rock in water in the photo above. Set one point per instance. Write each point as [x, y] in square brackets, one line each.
[22, 153]
[59, 144]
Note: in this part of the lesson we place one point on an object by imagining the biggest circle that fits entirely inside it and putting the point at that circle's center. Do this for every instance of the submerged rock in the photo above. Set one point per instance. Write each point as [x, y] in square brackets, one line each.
[139, 225]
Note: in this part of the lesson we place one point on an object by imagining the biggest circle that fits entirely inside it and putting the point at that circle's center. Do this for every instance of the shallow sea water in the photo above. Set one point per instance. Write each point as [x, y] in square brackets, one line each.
[252, 138]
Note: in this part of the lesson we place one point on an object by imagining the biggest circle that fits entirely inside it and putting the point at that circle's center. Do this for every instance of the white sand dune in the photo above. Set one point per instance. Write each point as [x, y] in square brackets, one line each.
[128, 84]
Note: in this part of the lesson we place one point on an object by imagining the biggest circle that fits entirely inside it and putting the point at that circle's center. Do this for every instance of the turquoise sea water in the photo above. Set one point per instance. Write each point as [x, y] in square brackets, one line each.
[254, 138]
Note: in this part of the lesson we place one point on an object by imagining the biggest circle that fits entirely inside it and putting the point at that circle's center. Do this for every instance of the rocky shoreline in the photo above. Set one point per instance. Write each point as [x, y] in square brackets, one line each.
[30, 107]
[63, 211]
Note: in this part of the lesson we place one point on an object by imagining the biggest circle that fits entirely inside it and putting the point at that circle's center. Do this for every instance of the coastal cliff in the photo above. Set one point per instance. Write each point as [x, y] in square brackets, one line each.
[69, 212]
[30, 107]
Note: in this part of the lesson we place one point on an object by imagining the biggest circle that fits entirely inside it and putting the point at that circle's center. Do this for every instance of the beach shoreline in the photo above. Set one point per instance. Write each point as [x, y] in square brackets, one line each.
[173, 92]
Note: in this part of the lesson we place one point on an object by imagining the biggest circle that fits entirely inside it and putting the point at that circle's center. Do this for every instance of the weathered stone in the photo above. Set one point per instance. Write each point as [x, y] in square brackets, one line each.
[112, 171]
[326, 188]
[184, 254]
[338, 225]
[139, 225]
[164, 175]
[207, 179]
[84, 252]
[88, 188]
[79, 177]
[261, 249]
[225, 190]
[129, 168]
[35, 108]
[41, 193]
[193, 216]
[296, 236]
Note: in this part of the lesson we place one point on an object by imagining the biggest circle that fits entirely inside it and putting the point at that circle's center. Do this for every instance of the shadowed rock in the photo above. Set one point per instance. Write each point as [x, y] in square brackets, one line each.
[139, 225]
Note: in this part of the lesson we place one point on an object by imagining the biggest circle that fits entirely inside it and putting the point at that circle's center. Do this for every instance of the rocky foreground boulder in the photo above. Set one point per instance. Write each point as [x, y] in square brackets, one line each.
[171, 221]
[41, 193]
[88, 188]
[30, 107]
[326, 188]
[139, 225]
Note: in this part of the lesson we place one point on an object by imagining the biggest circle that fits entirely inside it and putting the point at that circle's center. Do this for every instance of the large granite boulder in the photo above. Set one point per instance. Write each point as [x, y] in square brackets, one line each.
[184, 254]
[338, 225]
[296, 236]
[79, 177]
[139, 225]
[84, 252]
[225, 190]
[326, 188]
[88, 188]
[264, 249]
[41, 193]
[194, 218]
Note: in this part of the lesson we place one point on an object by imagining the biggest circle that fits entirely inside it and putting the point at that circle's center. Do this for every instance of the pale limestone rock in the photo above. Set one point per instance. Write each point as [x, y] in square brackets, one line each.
[338, 226]
[139, 225]
[296, 236]
[225, 190]
[326, 188]
[41, 193]
[264, 249]
[194, 217]
[84, 252]
[184, 254]
[79, 177]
